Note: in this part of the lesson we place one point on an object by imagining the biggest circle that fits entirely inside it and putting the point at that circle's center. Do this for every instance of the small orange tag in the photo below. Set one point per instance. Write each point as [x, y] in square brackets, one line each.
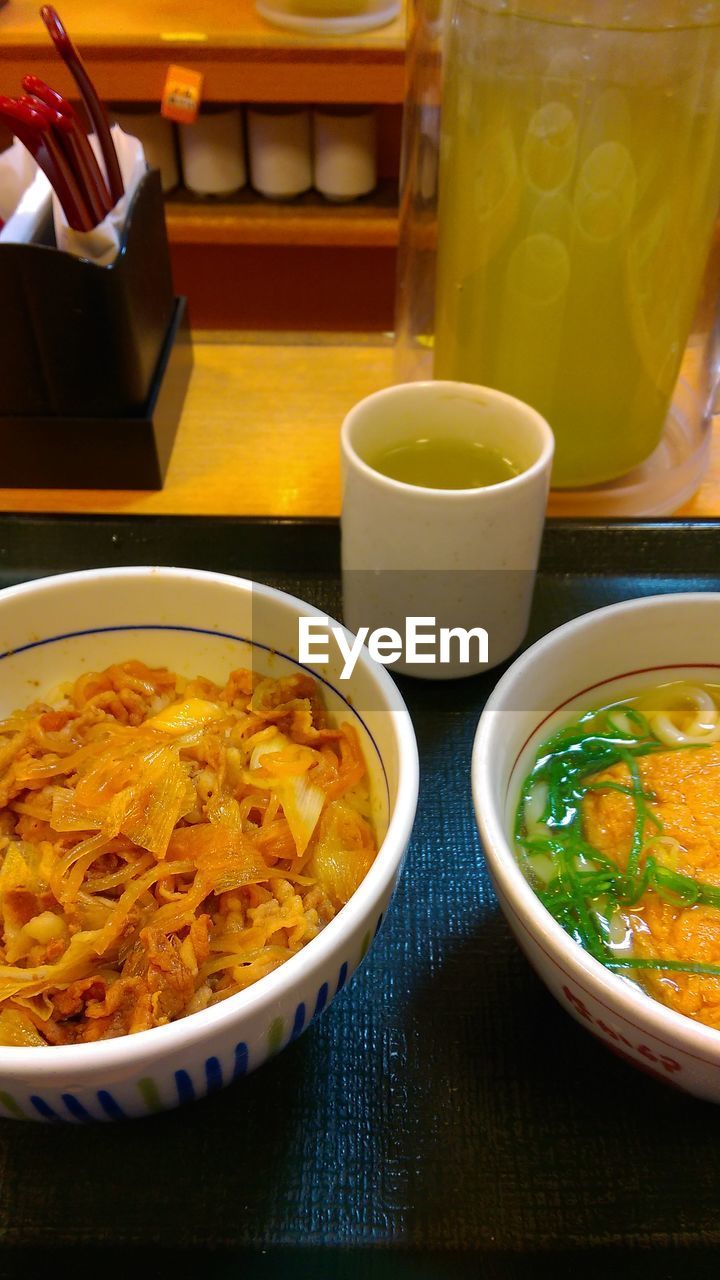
[181, 96]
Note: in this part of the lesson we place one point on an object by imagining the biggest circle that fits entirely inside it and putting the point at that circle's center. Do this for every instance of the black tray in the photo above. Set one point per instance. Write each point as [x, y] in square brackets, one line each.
[445, 1117]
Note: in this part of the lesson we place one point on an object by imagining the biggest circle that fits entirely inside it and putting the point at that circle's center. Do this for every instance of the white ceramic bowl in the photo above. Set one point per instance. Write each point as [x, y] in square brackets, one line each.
[200, 623]
[590, 662]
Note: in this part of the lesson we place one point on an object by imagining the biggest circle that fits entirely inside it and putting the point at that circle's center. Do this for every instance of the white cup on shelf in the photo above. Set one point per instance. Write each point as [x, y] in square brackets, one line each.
[329, 17]
[344, 151]
[213, 152]
[280, 150]
[157, 136]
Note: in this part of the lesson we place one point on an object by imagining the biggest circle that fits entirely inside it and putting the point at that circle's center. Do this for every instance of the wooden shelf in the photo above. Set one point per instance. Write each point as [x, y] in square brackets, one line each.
[309, 221]
[129, 44]
[246, 263]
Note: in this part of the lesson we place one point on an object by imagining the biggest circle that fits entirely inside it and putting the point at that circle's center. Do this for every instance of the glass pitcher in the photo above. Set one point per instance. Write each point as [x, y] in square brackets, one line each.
[560, 254]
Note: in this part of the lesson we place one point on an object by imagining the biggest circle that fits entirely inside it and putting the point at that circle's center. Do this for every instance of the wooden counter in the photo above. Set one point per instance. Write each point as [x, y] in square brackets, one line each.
[259, 435]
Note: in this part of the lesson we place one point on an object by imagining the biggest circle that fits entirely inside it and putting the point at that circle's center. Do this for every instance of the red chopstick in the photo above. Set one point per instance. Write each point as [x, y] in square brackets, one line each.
[73, 61]
[74, 141]
[33, 129]
[61, 137]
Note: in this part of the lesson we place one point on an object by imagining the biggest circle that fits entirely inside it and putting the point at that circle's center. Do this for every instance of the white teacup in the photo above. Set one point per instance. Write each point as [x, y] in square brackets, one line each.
[422, 562]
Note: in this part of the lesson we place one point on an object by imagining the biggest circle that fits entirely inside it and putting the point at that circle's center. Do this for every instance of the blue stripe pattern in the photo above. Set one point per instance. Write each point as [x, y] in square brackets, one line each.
[43, 1108]
[185, 1089]
[213, 1075]
[241, 1061]
[321, 1001]
[112, 1109]
[298, 1023]
[76, 1108]
[183, 1082]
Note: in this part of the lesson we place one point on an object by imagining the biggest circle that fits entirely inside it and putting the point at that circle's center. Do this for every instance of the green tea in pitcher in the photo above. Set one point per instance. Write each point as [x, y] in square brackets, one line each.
[579, 183]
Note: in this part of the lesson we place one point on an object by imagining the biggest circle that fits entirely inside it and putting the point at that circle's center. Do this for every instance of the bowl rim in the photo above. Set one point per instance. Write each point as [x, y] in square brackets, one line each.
[185, 1033]
[676, 1030]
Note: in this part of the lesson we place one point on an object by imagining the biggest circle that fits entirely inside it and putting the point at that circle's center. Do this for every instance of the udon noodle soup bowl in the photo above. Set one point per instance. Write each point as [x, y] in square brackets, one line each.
[194, 623]
[597, 659]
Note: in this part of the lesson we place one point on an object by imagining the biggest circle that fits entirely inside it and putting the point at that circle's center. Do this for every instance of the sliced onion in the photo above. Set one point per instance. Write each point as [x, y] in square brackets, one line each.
[18, 1029]
[275, 742]
[184, 717]
[302, 804]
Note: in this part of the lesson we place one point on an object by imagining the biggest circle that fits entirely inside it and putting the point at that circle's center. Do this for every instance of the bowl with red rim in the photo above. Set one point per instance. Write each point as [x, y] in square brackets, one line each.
[198, 623]
[596, 659]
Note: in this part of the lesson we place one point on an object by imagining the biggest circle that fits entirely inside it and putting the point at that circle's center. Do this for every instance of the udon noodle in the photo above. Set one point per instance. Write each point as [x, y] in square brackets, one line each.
[164, 843]
[618, 831]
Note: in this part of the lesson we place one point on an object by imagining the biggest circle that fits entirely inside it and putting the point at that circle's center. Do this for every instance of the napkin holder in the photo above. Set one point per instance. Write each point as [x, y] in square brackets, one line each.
[95, 361]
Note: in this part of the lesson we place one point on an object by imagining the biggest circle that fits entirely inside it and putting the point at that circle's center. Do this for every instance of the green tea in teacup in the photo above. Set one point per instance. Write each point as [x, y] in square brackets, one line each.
[441, 462]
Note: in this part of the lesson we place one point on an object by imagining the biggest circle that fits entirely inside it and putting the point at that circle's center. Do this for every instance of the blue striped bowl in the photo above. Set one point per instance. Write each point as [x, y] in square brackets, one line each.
[200, 623]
